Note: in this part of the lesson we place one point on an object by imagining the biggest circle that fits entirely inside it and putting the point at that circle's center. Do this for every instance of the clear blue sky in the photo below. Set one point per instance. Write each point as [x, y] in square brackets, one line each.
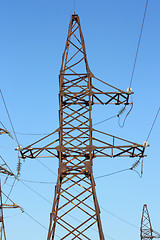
[33, 35]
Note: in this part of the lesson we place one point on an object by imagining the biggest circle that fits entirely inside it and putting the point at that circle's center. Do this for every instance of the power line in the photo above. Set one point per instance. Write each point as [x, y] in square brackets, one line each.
[122, 125]
[35, 191]
[106, 175]
[104, 120]
[9, 117]
[46, 167]
[31, 134]
[35, 220]
[123, 220]
[11, 189]
[31, 181]
[153, 124]
[139, 41]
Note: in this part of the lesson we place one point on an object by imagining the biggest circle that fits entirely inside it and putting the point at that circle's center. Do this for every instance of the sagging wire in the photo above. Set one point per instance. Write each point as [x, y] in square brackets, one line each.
[136, 164]
[121, 112]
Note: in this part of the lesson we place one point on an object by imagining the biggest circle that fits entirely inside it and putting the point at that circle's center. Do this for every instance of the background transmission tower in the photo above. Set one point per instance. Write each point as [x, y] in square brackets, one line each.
[78, 143]
[146, 231]
[5, 170]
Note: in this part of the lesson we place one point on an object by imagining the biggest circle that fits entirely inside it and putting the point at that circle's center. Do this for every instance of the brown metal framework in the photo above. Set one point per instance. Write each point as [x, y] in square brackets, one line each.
[78, 143]
[146, 230]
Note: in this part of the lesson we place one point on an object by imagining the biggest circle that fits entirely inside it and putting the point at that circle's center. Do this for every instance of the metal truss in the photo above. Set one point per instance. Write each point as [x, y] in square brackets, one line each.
[76, 143]
[146, 231]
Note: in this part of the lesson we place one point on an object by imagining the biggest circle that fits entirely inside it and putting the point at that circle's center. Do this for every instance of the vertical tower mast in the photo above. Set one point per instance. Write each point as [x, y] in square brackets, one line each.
[75, 134]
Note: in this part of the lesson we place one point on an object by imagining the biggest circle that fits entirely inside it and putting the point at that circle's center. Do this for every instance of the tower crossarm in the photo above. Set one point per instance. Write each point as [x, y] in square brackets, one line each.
[112, 95]
[105, 146]
[45, 146]
[2, 131]
[5, 171]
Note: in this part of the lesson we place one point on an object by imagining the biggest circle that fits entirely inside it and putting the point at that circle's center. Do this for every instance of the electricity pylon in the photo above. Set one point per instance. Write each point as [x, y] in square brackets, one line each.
[78, 143]
[4, 206]
[146, 230]
[5, 170]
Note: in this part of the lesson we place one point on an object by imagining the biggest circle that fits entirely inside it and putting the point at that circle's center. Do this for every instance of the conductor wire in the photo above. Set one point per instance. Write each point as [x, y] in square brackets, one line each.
[9, 117]
[153, 124]
[139, 41]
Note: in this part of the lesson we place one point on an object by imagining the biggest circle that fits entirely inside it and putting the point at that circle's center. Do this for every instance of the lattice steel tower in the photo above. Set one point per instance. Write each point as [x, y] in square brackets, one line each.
[146, 230]
[78, 143]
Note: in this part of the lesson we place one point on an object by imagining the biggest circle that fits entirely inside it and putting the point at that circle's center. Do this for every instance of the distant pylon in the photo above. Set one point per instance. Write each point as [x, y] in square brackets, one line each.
[5, 206]
[146, 230]
[2, 228]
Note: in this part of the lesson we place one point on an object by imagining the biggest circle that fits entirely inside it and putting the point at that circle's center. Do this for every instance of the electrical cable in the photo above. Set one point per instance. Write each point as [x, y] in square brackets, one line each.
[139, 41]
[31, 181]
[46, 167]
[122, 125]
[3, 126]
[9, 117]
[106, 175]
[13, 215]
[153, 124]
[35, 191]
[31, 134]
[7, 197]
[135, 60]
[35, 220]
[123, 220]
[104, 120]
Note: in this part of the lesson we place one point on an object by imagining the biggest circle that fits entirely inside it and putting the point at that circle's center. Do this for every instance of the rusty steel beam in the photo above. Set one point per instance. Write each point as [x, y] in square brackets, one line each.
[76, 143]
